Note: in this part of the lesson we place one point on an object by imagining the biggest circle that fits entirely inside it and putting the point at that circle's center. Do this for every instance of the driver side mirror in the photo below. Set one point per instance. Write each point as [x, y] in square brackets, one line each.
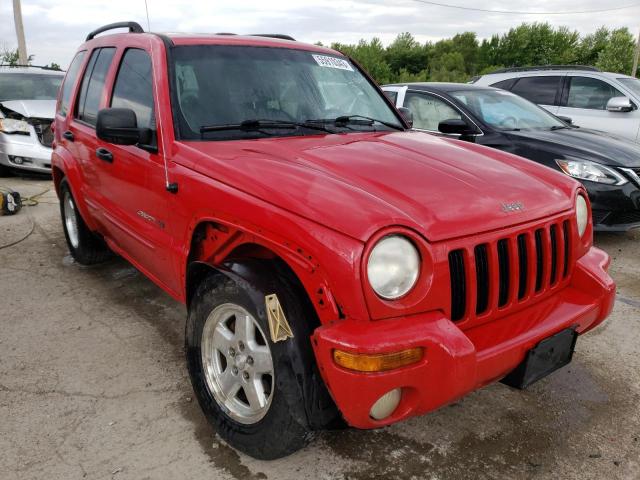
[619, 104]
[407, 115]
[456, 126]
[120, 127]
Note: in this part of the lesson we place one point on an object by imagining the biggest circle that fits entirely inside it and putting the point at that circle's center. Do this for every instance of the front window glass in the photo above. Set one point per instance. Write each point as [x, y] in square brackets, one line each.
[93, 84]
[29, 86]
[133, 88]
[428, 111]
[227, 85]
[591, 93]
[505, 111]
[632, 84]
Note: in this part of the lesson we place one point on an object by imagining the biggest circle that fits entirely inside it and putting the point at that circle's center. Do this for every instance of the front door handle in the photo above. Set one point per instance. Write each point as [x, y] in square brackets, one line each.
[104, 154]
[68, 135]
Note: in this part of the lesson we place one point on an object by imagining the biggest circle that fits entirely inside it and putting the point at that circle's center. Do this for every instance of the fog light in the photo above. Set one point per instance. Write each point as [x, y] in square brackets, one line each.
[386, 404]
[16, 160]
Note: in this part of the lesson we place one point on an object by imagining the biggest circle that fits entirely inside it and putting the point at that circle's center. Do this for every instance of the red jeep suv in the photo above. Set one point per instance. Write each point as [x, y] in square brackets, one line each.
[335, 265]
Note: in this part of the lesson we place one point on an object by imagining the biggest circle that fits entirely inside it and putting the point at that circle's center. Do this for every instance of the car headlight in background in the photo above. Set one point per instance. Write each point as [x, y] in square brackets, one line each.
[594, 172]
[11, 125]
[393, 267]
[582, 214]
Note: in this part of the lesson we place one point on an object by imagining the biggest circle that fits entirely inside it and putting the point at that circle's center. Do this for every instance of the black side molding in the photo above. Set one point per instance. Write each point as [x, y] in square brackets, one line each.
[133, 27]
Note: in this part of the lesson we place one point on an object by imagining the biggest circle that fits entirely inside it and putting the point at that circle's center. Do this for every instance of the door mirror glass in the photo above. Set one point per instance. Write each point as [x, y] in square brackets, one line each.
[455, 126]
[407, 115]
[619, 104]
[120, 126]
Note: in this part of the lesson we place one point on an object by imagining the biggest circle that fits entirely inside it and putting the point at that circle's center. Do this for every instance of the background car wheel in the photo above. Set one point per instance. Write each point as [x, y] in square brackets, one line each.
[251, 389]
[85, 247]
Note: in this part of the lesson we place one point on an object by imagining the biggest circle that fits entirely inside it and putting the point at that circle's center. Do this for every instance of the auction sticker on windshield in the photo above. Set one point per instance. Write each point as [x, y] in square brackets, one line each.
[332, 62]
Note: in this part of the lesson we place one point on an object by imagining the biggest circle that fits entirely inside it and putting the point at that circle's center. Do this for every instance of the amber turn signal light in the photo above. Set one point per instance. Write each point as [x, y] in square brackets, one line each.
[379, 362]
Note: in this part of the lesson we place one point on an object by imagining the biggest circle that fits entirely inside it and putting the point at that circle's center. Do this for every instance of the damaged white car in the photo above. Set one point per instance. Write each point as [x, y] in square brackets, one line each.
[27, 107]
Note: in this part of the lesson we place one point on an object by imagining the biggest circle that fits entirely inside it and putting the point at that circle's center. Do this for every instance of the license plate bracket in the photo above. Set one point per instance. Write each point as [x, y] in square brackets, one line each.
[549, 355]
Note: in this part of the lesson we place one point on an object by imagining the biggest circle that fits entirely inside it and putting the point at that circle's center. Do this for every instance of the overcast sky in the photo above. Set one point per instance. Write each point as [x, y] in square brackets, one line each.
[55, 28]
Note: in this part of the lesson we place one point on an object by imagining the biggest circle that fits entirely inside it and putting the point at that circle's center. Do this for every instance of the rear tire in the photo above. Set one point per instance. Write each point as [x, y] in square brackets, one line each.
[85, 247]
[283, 426]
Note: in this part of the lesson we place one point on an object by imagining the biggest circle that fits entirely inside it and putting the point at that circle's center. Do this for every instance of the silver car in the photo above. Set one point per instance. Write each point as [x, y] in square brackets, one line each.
[590, 98]
[27, 108]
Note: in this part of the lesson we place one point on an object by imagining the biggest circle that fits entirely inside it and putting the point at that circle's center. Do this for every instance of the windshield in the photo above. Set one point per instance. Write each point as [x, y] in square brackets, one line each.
[219, 85]
[29, 86]
[506, 111]
[632, 84]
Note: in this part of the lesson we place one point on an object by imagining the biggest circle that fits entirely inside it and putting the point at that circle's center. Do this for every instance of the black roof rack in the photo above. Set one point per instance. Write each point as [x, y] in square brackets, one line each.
[274, 35]
[41, 67]
[547, 67]
[134, 27]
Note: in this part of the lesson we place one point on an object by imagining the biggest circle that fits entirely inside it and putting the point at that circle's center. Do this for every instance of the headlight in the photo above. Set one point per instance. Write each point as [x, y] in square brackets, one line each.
[582, 214]
[594, 172]
[11, 125]
[393, 267]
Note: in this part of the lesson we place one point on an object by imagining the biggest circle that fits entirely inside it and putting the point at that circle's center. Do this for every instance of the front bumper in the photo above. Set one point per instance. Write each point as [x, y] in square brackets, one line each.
[615, 208]
[36, 157]
[455, 362]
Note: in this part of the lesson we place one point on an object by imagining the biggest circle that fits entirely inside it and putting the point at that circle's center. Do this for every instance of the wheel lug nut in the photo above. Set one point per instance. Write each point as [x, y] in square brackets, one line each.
[232, 352]
[234, 370]
[245, 375]
[250, 360]
[241, 346]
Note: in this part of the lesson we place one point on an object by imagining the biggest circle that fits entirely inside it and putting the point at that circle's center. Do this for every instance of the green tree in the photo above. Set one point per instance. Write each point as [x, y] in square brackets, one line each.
[53, 66]
[591, 45]
[617, 55]
[371, 56]
[405, 53]
[12, 58]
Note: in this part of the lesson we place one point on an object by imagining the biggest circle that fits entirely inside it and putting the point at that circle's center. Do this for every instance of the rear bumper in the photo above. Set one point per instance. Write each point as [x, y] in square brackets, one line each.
[456, 362]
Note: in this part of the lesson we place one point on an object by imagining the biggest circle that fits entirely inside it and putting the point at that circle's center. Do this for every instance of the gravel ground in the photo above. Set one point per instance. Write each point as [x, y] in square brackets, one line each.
[93, 385]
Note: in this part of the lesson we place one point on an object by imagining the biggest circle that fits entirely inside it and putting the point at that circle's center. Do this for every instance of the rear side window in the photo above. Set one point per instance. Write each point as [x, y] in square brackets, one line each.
[93, 85]
[69, 82]
[540, 90]
[133, 88]
[504, 84]
[591, 93]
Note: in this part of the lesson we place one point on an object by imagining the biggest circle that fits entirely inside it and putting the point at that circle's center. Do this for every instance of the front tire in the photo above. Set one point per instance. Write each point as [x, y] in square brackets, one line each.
[85, 247]
[245, 383]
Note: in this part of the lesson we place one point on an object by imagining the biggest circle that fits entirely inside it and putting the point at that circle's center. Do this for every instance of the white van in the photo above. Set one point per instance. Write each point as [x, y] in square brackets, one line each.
[591, 98]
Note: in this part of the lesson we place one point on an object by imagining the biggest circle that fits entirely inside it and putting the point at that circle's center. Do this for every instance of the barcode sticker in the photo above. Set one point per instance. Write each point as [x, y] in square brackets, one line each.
[332, 62]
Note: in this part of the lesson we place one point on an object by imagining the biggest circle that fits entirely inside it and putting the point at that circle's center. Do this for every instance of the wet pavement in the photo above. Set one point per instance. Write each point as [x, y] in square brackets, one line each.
[93, 385]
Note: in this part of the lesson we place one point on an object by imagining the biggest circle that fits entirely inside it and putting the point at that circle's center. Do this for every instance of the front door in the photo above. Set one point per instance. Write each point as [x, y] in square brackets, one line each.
[133, 175]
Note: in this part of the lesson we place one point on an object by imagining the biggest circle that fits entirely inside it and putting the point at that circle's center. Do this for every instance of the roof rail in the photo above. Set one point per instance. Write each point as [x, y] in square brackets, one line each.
[547, 67]
[134, 27]
[273, 35]
[42, 67]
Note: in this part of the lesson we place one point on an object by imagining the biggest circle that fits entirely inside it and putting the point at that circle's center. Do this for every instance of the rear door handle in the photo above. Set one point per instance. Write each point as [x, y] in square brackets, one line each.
[68, 135]
[104, 154]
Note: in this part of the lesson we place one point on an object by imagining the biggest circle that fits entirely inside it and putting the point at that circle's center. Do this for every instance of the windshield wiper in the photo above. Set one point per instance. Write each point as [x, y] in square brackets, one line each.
[558, 127]
[344, 120]
[257, 125]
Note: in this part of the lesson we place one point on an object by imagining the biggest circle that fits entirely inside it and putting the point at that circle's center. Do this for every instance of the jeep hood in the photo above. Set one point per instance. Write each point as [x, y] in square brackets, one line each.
[361, 182]
[32, 108]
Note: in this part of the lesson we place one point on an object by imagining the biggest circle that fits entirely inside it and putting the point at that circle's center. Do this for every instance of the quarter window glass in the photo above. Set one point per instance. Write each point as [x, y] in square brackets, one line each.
[393, 96]
[428, 111]
[69, 82]
[540, 90]
[93, 85]
[505, 84]
[585, 92]
[133, 88]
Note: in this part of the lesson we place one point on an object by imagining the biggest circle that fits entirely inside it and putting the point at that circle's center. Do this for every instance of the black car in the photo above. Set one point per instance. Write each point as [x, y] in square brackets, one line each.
[608, 166]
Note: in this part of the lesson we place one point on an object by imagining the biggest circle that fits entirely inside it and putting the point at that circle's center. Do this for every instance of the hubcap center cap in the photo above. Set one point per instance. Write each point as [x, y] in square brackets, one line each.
[241, 361]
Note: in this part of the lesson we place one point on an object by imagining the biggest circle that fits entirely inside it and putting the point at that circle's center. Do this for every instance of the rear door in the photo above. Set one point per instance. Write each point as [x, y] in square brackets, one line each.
[81, 129]
[134, 178]
[544, 90]
[585, 101]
